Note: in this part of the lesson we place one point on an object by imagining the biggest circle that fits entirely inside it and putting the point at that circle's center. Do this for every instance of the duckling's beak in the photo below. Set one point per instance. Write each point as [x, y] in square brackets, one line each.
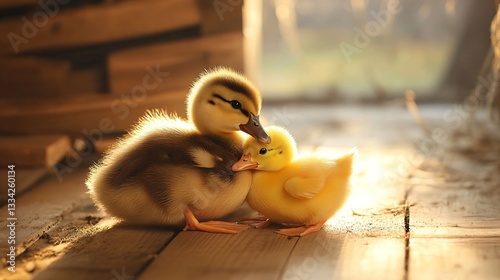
[245, 163]
[254, 128]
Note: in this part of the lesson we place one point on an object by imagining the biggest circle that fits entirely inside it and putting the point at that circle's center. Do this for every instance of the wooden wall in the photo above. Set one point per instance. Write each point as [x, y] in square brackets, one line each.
[88, 69]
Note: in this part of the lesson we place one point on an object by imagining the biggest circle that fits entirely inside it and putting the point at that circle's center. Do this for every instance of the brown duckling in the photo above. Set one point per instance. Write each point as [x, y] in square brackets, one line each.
[171, 171]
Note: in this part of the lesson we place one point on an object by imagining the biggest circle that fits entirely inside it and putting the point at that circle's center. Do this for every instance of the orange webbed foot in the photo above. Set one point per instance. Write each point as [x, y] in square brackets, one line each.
[300, 231]
[211, 226]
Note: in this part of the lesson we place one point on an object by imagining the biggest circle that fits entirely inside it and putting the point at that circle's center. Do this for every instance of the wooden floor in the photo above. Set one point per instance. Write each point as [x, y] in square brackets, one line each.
[425, 204]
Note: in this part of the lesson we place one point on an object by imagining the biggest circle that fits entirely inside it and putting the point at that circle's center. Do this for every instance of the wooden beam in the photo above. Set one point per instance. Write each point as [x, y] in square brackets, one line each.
[91, 114]
[96, 24]
[33, 76]
[84, 81]
[221, 16]
[184, 60]
[16, 3]
[36, 150]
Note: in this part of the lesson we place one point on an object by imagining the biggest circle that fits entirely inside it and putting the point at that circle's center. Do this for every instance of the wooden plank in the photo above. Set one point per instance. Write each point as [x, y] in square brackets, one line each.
[83, 221]
[252, 254]
[42, 208]
[84, 81]
[88, 245]
[83, 26]
[102, 114]
[36, 150]
[454, 258]
[455, 222]
[221, 16]
[121, 252]
[456, 199]
[336, 256]
[16, 3]
[183, 60]
[25, 179]
[32, 76]
[182, 71]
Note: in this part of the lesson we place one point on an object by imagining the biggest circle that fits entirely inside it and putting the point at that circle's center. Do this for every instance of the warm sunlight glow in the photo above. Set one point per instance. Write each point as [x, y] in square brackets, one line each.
[358, 6]
[374, 171]
[450, 7]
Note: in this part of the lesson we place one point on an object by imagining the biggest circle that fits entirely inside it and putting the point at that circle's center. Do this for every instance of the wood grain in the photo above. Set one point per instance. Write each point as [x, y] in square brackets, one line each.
[43, 207]
[338, 256]
[252, 254]
[95, 24]
[454, 258]
[31, 151]
[458, 198]
[31, 76]
[117, 253]
[455, 222]
[183, 60]
[221, 16]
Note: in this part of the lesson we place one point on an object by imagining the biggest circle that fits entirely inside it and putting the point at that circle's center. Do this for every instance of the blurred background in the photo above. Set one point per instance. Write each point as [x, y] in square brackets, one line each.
[371, 50]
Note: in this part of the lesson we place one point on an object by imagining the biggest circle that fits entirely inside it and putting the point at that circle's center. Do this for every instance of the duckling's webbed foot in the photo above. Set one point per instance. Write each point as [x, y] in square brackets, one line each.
[300, 231]
[211, 226]
[257, 222]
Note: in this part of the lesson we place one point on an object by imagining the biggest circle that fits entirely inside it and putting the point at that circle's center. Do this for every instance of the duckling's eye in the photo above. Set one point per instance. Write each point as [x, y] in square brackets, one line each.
[263, 151]
[236, 104]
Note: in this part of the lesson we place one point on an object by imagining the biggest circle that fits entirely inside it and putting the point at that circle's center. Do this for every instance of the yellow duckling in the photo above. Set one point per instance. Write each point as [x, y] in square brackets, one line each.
[169, 171]
[304, 191]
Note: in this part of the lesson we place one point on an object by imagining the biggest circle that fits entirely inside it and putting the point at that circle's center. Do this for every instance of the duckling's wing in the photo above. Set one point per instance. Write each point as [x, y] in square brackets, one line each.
[305, 187]
[308, 176]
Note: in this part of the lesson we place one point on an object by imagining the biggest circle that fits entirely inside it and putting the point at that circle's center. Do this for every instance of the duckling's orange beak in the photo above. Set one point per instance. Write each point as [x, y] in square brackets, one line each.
[254, 128]
[245, 163]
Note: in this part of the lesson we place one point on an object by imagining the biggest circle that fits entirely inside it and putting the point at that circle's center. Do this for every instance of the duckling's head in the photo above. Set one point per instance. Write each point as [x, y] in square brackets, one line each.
[222, 101]
[268, 157]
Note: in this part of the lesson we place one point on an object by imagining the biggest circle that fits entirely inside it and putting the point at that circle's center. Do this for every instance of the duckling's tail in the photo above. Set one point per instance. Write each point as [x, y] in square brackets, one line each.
[343, 164]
